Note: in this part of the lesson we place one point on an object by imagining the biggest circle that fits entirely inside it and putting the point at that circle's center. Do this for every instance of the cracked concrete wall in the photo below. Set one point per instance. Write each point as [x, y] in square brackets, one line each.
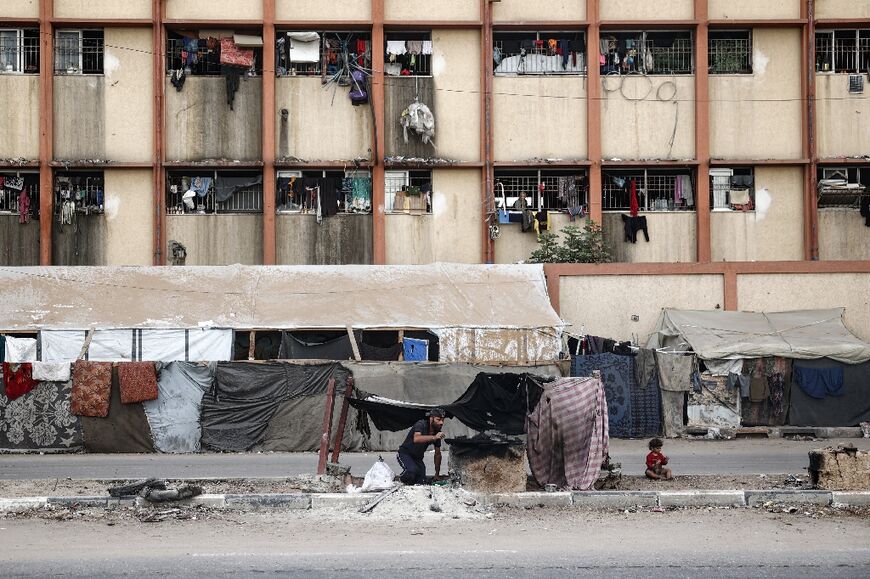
[79, 117]
[82, 243]
[341, 239]
[19, 242]
[400, 92]
[19, 117]
[218, 239]
[840, 470]
[672, 238]
[843, 235]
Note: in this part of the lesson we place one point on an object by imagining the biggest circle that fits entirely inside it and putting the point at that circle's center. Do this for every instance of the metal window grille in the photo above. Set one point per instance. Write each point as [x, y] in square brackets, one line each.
[842, 186]
[336, 49]
[730, 52]
[418, 64]
[656, 190]
[76, 192]
[728, 186]
[291, 196]
[19, 50]
[78, 52]
[539, 53]
[208, 58]
[246, 200]
[396, 186]
[9, 198]
[843, 51]
[541, 189]
[658, 52]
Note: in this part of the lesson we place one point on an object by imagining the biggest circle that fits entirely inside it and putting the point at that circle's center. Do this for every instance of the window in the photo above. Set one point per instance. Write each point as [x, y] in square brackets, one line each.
[408, 191]
[11, 187]
[19, 50]
[202, 56]
[77, 193]
[78, 52]
[657, 189]
[544, 189]
[646, 52]
[544, 53]
[732, 189]
[298, 191]
[408, 54]
[730, 52]
[843, 186]
[207, 192]
[332, 55]
[843, 51]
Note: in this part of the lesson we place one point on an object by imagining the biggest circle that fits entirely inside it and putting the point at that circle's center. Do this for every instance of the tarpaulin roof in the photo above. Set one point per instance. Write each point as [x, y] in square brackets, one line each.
[802, 334]
[438, 295]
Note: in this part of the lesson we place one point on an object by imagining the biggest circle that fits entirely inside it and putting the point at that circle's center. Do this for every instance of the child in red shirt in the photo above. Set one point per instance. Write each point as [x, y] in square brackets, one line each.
[656, 461]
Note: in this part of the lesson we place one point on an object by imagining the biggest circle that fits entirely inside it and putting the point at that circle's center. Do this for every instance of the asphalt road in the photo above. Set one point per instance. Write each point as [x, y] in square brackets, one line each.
[688, 457]
[694, 543]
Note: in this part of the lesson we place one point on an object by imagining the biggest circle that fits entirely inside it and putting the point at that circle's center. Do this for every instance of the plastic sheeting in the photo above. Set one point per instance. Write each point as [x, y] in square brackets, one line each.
[850, 409]
[129, 345]
[806, 334]
[174, 416]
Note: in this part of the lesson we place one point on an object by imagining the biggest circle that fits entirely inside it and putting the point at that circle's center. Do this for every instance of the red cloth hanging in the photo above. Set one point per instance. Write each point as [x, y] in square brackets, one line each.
[633, 207]
[18, 379]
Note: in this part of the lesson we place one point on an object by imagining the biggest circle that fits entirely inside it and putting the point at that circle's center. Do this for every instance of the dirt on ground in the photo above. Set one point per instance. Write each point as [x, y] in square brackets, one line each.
[714, 482]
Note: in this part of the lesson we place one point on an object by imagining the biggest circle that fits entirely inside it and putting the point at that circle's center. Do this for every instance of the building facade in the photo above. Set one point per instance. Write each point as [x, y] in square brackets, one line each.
[735, 127]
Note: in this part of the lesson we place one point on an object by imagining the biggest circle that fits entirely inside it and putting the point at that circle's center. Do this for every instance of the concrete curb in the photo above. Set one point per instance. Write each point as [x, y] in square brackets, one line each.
[558, 500]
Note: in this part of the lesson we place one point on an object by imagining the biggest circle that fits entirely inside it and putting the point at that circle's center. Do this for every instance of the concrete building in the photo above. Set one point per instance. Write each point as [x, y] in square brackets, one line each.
[738, 124]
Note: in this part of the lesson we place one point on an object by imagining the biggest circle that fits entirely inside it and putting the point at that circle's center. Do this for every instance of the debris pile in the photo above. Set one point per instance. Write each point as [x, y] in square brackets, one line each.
[415, 502]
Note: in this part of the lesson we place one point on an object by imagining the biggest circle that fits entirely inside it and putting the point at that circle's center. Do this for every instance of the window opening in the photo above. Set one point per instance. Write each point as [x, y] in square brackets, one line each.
[19, 51]
[732, 189]
[197, 56]
[843, 186]
[325, 53]
[657, 189]
[19, 195]
[730, 52]
[210, 192]
[539, 53]
[408, 191]
[77, 193]
[644, 52]
[408, 54]
[843, 51]
[78, 52]
[543, 189]
[297, 190]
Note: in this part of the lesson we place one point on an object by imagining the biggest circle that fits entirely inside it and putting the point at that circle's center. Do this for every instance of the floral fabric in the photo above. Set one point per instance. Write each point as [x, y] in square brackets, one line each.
[138, 382]
[92, 388]
[40, 420]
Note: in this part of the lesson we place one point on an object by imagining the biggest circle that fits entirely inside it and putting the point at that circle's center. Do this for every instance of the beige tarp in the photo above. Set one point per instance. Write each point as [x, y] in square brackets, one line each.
[803, 334]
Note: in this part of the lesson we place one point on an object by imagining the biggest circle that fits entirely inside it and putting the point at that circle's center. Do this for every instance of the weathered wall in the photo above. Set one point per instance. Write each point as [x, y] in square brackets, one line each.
[129, 215]
[519, 11]
[200, 124]
[456, 68]
[783, 292]
[552, 126]
[753, 9]
[79, 117]
[426, 10]
[322, 124]
[758, 116]
[19, 242]
[638, 115]
[671, 234]
[98, 9]
[842, 9]
[605, 304]
[299, 10]
[842, 118]
[649, 10]
[19, 117]
[218, 239]
[21, 8]
[214, 9]
[843, 235]
[513, 245]
[339, 240]
[399, 92]
[451, 233]
[82, 243]
[129, 99]
[774, 232]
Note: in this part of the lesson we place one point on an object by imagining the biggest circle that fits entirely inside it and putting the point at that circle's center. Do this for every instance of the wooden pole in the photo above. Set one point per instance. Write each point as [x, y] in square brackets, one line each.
[327, 427]
[342, 420]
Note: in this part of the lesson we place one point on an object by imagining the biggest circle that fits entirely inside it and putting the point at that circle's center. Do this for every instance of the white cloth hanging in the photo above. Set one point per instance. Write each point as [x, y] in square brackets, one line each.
[396, 47]
[20, 350]
[51, 371]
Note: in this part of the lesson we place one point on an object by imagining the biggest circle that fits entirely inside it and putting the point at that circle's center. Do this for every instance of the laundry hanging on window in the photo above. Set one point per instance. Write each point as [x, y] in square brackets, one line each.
[418, 118]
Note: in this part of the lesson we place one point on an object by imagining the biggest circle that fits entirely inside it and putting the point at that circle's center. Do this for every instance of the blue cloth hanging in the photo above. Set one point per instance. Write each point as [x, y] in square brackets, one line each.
[416, 350]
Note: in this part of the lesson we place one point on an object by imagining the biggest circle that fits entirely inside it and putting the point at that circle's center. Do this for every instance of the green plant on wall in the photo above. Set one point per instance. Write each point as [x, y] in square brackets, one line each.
[579, 246]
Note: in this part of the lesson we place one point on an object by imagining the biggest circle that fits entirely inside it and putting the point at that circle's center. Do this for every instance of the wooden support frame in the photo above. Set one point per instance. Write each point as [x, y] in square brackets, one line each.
[327, 427]
[342, 420]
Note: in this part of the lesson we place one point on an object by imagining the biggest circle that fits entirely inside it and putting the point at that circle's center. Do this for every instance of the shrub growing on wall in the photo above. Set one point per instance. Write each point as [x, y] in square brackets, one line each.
[579, 246]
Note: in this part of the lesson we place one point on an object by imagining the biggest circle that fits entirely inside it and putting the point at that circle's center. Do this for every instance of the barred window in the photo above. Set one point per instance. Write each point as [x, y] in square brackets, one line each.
[11, 187]
[732, 189]
[730, 52]
[328, 54]
[408, 191]
[539, 53]
[299, 191]
[78, 52]
[19, 51]
[408, 54]
[646, 52]
[543, 189]
[843, 186]
[845, 51]
[208, 192]
[202, 56]
[656, 189]
[78, 193]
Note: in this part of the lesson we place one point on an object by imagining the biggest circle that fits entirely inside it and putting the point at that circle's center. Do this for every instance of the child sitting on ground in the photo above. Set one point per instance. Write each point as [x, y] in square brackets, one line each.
[656, 461]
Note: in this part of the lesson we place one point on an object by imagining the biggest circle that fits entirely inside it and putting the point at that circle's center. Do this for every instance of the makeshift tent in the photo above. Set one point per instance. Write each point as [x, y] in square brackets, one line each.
[174, 416]
[40, 419]
[716, 335]
[848, 409]
[195, 344]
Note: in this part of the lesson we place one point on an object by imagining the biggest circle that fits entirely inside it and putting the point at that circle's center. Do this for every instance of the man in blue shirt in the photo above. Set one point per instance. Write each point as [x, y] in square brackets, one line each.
[410, 456]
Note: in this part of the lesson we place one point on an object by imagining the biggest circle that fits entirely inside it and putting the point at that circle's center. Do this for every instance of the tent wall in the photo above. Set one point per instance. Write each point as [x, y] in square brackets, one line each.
[850, 409]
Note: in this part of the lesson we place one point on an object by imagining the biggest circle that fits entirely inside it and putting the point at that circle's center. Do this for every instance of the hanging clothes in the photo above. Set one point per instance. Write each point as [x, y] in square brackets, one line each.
[18, 380]
[23, 206]
[633, 205]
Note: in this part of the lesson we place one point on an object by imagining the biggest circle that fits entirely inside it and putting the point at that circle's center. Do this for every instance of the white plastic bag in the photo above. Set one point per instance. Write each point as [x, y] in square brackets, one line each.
[378, 478]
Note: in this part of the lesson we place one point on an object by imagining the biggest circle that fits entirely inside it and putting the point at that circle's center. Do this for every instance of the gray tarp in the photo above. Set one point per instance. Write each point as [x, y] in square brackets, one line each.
[125, 429]
[174, 416]
[716, 335]
[850, 409]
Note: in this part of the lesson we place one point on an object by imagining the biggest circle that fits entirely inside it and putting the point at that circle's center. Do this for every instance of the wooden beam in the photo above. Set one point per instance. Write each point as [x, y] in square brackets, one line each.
[342, 420]
[327, 427]
[353, 344]
[269, 120]
[46, 129]
[252, 345]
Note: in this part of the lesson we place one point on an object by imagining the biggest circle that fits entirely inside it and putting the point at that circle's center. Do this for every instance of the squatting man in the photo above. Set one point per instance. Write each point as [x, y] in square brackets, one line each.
[424, 432]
